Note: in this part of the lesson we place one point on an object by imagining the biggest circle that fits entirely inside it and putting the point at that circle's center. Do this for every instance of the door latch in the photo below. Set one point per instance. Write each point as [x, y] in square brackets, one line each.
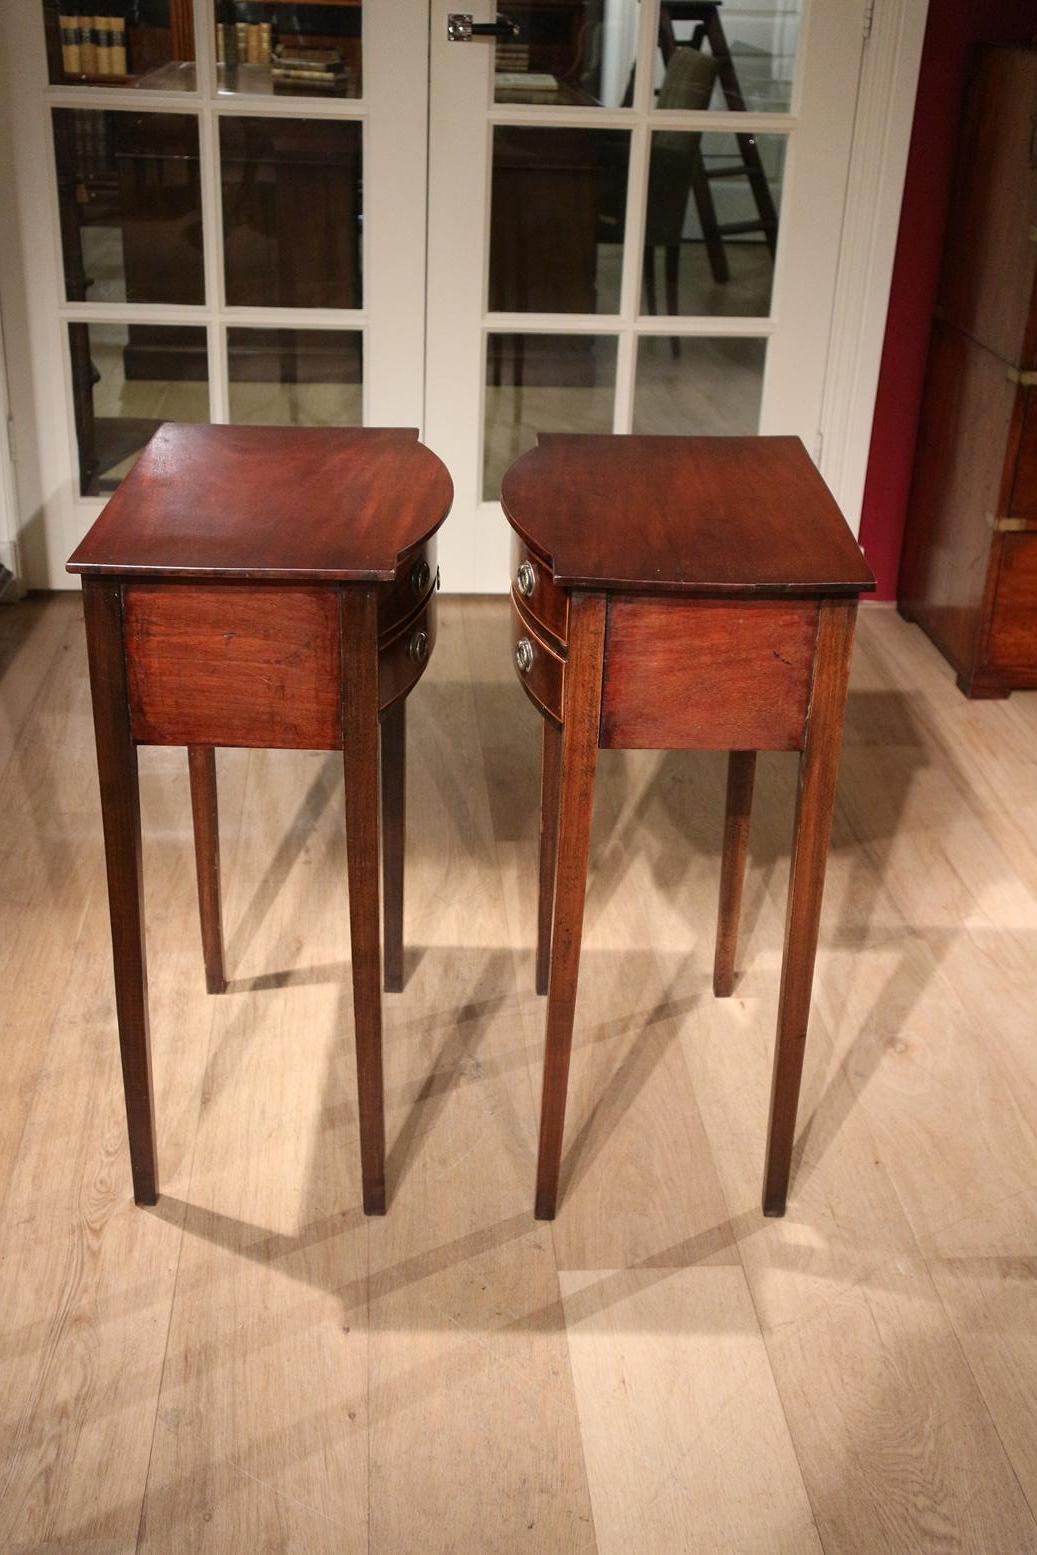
[461, 29]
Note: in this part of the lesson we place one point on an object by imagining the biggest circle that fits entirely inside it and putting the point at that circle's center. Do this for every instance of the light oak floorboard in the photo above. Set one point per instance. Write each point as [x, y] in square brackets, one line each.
[253, 1366]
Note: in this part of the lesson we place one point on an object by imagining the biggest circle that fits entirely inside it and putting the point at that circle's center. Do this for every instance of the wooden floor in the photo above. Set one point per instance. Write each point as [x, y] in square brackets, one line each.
[253, 1367]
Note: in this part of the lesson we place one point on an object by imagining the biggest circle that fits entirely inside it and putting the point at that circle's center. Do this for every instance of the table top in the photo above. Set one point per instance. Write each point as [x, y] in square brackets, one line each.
[688, 515]
[330, 504]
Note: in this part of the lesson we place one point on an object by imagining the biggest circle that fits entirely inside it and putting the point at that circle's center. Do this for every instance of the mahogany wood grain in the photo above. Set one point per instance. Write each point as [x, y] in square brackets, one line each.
[815, 800]
[394, 810]
[201, 761]
[547, 604]
[543, 680]
[582, 714]
[120, 814]
[323, 503]
[970, 410]
[669, 515]
[1013, 622]
[741, 770]
[988, 287]
[359, 614]
[707, 674]
[550, 782]
[975, 477]
[1022, 500]
[234, 664]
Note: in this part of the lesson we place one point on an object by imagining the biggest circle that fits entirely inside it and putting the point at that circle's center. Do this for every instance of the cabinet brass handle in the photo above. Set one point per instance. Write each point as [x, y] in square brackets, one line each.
[525, 580]
[524, 655]
[420, 574]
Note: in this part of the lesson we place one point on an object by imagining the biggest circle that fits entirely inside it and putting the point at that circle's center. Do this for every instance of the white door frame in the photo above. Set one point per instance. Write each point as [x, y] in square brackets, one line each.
[54, 516]
[878, 163]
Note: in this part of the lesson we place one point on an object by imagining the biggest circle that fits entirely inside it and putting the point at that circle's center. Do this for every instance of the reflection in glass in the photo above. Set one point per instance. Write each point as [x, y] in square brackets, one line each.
[569, 55]
[126, 380]
[704, 213]
[130, 205]
[556, 219]
[147, 44]
[751, 47]
[296, 377]
[701, 387]
[291, 212]
[289, 50]
[543, 383]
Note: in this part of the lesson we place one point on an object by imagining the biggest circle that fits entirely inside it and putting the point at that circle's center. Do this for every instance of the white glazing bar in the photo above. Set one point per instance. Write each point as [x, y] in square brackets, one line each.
[112, 97]
[204, 50]
[634, 227]
[256, 106]
[626, 364]
[135, 312]
[733, 327]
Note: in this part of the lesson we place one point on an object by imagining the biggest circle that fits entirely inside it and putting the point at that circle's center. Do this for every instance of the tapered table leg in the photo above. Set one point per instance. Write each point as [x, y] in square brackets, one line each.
[818, 771]
[360, 761]
[394, 802]
[120, 813]
[201, 761]
[550, 775]
[741, 769]
[581, 711]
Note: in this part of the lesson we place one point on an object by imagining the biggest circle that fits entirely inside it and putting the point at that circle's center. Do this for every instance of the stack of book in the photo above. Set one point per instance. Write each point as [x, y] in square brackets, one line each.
[323, 69]
[93, 45]
[244, 43]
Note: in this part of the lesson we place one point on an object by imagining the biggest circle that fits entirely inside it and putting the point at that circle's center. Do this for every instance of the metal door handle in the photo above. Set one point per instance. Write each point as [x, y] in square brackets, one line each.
[461, 29]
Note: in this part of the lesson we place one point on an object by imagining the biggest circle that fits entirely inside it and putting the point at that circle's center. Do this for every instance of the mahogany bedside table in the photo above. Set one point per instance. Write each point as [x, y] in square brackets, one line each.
[261, 586]
[677, 594]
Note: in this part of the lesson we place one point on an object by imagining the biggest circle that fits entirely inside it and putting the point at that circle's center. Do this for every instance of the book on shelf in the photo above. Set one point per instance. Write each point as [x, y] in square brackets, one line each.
[93, 45]
[288, 57]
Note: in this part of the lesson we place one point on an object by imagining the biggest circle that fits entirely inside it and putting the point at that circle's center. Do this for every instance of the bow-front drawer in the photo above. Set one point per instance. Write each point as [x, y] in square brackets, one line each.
[539, 668]
[532, 582]
[415, 580]
[403, 657]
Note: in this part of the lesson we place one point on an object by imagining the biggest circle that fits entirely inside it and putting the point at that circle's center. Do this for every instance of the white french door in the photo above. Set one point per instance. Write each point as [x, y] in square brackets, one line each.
[627, 217]
[218, 215]
[634, 225]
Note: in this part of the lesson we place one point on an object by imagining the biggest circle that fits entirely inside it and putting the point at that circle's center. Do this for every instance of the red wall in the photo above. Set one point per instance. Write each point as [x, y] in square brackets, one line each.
[953, 27]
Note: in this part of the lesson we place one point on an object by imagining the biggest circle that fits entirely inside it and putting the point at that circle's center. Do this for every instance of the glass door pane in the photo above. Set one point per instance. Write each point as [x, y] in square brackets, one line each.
[744, 54]
[129, 192]
[579, 54]
[126, 380]
[312, 50]
[149, 44]
[291, 211]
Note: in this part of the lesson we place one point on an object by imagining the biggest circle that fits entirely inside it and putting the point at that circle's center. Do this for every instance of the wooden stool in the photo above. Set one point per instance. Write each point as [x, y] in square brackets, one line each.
[678, 594]
[274, 587]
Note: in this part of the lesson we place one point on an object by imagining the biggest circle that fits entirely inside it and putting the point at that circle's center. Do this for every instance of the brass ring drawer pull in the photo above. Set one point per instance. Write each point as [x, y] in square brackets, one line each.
[418, 649]
[419, 577]
[525, 580]
[524, 655]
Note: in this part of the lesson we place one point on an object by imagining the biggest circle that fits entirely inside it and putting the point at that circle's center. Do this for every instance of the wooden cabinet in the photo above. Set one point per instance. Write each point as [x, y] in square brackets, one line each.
[969, 570]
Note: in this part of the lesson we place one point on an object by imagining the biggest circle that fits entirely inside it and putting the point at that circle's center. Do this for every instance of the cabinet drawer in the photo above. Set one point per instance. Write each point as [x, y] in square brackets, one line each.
[532, 581]
[402, 659]
[1013, 625]
[415, 579]
[538, 667]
